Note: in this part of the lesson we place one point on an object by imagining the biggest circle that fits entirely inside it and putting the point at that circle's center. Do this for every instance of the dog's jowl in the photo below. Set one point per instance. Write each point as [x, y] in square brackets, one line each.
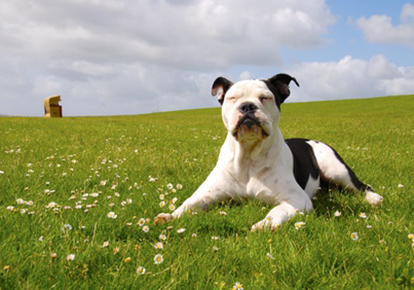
[256, 162]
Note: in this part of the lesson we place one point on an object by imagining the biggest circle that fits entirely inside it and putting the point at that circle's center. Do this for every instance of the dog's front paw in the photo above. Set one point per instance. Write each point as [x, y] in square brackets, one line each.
[265, 225]
[162, 218]
[373, 198]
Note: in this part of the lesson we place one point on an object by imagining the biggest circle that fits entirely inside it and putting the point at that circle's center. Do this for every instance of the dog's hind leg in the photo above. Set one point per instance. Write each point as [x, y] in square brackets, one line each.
[335, 170]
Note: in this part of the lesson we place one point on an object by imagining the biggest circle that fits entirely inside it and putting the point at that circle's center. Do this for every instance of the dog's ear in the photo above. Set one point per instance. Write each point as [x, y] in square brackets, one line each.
[281, 83]
[220, 87]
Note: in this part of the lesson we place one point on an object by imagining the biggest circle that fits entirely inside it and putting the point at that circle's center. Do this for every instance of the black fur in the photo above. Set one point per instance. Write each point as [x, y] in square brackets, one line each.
[304, 161]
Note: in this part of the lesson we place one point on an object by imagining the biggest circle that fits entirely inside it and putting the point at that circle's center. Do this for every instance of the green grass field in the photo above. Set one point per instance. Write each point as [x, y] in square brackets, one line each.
[75, 193]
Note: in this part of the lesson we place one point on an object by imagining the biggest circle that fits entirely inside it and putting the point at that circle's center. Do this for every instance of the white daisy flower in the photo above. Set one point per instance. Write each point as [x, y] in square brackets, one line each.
[112, 215]
[299, 225]
[19, 201]
[163, 237]
[141, 222]
[354, 236]
[140, 270]
[159, 246]
[158, 259]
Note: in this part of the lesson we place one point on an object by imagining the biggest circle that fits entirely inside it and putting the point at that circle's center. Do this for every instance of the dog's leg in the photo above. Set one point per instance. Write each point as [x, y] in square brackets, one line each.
[281, 213]
[210, 192]
[334, 169]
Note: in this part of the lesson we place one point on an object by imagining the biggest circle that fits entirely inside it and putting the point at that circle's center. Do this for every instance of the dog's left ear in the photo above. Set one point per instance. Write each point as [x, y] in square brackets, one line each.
[220, 87]
[281, 83]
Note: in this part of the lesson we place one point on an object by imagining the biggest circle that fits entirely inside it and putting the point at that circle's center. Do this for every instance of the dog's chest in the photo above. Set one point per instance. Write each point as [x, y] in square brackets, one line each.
[256, 182]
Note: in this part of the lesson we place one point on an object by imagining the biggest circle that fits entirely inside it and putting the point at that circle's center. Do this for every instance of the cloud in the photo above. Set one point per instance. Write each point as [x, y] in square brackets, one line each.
[121, 57]
[350, 78]
[380, 29]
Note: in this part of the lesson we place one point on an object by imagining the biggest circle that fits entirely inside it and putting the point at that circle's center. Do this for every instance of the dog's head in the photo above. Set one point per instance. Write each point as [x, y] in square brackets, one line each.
[251, 109]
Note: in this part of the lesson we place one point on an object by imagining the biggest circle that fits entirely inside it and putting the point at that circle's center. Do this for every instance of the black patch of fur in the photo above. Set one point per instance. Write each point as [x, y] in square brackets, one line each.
[304, 161]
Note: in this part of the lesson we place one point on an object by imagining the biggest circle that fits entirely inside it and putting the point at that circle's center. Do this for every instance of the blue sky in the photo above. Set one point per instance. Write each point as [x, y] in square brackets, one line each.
[113, 57]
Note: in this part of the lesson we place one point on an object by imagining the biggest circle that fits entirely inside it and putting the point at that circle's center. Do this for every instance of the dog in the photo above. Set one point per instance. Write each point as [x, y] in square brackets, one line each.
[256, 162]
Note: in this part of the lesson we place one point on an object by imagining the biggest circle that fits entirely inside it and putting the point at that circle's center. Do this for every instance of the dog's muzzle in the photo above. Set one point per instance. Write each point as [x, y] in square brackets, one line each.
[248, 119]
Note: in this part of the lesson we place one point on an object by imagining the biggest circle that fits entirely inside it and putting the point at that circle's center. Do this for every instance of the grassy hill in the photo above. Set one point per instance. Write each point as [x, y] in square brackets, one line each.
[60, 179]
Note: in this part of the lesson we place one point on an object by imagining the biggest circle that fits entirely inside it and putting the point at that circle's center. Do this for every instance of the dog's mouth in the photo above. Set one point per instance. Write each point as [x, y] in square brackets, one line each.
[250, 123]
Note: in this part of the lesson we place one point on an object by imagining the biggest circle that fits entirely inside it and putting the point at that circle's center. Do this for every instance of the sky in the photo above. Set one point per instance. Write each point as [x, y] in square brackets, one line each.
[115, 57]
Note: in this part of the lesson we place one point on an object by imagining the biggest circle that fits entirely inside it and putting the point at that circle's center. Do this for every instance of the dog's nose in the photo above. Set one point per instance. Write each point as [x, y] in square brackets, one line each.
[248, 108]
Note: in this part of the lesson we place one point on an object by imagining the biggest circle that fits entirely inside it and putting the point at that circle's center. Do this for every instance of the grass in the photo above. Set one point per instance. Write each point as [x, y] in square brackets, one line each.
[90, 167]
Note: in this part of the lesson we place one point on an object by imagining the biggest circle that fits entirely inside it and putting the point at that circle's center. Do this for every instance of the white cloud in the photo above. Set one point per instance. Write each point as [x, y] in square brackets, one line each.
[350, 78]
[380, 29]
[139, 56]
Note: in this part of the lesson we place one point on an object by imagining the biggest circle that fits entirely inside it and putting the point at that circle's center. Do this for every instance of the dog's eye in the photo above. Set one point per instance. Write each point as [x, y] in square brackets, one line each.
[262, 99]
[231, 98]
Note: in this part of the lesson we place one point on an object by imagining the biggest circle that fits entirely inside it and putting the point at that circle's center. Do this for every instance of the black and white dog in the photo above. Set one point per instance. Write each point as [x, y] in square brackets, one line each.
[256, 162]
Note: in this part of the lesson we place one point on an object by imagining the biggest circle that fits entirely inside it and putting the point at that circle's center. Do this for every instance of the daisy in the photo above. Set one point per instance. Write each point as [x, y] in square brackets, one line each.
[411, 236]
[145, 229]
[105, 244]
[141, 222]
[171, 207]
[66, 227]
[70, 257]
[162, 203]
[10, 208]
[238, 285]
[158, 259]
[298, 225]
[116, 250]
[19, 201]
[179, 186]
[180, 231]
[337, 213]
[354, 236]
[111, 215]
[127, 260]
[363, 215]
[170, 186]
[159, 246]
[140, 270]
[163, 237]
